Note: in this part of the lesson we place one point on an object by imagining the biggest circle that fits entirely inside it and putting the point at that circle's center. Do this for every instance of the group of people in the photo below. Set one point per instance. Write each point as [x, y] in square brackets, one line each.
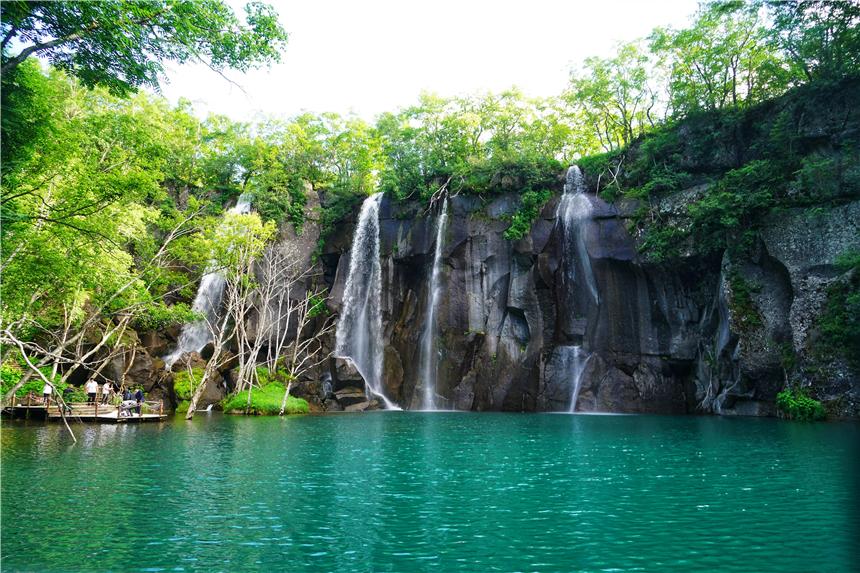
[130, 400]
[92, 389]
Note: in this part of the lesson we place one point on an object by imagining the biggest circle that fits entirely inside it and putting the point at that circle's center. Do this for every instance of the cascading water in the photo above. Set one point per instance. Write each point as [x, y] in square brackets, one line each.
[359, 330]
[429, 362]
[196, 335]
[574, 210]
[573, 360]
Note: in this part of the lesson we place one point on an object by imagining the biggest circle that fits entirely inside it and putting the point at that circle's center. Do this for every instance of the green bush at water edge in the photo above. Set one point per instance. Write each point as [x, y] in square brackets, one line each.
[794, 404]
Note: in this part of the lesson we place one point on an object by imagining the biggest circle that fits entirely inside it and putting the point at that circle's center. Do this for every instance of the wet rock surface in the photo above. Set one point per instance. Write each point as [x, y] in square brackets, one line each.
[662, 339]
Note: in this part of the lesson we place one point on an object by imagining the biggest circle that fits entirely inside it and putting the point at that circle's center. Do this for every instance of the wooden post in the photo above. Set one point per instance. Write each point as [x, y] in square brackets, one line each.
[98, 397]
[29, 403]
[161, 407]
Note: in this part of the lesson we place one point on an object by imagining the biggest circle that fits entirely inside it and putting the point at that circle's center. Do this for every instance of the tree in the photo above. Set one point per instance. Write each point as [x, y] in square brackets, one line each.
[615, 95]
[121, 44]
[722, 60]
[820, 38]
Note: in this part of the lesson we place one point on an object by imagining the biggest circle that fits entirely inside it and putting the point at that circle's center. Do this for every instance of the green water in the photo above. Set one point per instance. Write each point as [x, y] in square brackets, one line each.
[432, 492]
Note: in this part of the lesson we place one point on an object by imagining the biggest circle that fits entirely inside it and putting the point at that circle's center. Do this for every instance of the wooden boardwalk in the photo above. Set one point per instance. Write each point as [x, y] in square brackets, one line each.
[105, 413]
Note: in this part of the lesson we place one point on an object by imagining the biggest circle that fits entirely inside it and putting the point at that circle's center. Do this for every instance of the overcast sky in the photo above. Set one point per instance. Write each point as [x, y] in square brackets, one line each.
[372, 56]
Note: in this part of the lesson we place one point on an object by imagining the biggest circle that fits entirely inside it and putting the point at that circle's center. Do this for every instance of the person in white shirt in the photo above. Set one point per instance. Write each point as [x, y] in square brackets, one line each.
[92, 388]
[46, 393]
[107, 390]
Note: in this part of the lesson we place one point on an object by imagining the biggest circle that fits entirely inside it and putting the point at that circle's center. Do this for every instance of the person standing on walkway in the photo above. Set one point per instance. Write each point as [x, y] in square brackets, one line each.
[138, 397]
[92, 388]
[107, 391]
[47, 390]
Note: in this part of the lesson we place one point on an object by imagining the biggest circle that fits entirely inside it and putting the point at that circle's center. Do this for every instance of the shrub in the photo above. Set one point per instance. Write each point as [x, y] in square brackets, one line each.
[726, 216]
[521, 221]
[794, 404]
[662, 243]
[839, 323]
[159, 315]
[11, 373]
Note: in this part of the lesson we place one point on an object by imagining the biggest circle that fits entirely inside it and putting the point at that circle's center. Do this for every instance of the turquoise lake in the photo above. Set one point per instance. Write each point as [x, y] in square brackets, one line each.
[411, 491]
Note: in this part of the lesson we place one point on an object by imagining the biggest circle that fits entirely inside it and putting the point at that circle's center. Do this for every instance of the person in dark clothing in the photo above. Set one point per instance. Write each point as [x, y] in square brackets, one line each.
[126, 394]
[138, 397]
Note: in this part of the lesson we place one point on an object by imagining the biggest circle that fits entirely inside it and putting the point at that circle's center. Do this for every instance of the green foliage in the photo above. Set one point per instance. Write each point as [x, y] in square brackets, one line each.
[183, 384]
[531, 204]
[727, 214]
[819, 40]
[337, 204]
[317, 306]
[159, 316]
[722, 60]
[121, 44]
[265, 400]
[794, 404]
[839, 324]
[742, 305]
[283, 204]
[11, 374]
[614, 96]
[661, 243]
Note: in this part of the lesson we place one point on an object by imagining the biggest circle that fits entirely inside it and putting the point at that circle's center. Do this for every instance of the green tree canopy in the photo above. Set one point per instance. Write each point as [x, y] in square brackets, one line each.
[122, 44]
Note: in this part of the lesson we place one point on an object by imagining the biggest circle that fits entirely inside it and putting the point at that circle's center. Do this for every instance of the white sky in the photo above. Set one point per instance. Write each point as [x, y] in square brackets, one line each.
[369, 56]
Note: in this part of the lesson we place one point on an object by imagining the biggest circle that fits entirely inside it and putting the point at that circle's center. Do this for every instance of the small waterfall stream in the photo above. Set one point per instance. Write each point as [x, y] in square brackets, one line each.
[429, 360]
[573, 360]
[574, 210]
[359, 330]
[196, 335]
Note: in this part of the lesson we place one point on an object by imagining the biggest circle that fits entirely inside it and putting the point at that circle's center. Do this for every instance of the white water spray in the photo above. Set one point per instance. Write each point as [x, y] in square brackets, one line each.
[429, 360]
[196, 335]
[359, 330]
[574, 360]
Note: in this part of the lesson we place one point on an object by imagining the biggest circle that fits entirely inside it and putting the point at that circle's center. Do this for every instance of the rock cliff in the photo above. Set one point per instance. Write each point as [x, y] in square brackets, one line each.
[663, 338]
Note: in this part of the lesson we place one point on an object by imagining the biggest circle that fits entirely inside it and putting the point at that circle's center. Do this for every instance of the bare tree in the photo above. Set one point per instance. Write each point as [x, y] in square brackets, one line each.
[306, 350]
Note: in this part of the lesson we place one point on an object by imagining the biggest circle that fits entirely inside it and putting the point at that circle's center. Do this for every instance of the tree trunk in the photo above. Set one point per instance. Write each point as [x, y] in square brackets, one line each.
[284, 401]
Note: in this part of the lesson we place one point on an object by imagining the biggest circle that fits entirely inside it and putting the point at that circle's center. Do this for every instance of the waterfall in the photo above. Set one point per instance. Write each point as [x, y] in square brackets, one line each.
[573, 209]
[574, 359]
[573, 212]
[359, 330]
[429, 362]
[196, 335]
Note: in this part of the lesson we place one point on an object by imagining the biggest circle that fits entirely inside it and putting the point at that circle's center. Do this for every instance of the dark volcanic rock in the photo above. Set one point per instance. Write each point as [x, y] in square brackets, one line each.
[661, 339]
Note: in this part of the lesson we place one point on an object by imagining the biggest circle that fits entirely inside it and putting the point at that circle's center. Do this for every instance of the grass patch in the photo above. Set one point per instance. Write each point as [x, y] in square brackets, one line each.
[265, 400]
[183, 384]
